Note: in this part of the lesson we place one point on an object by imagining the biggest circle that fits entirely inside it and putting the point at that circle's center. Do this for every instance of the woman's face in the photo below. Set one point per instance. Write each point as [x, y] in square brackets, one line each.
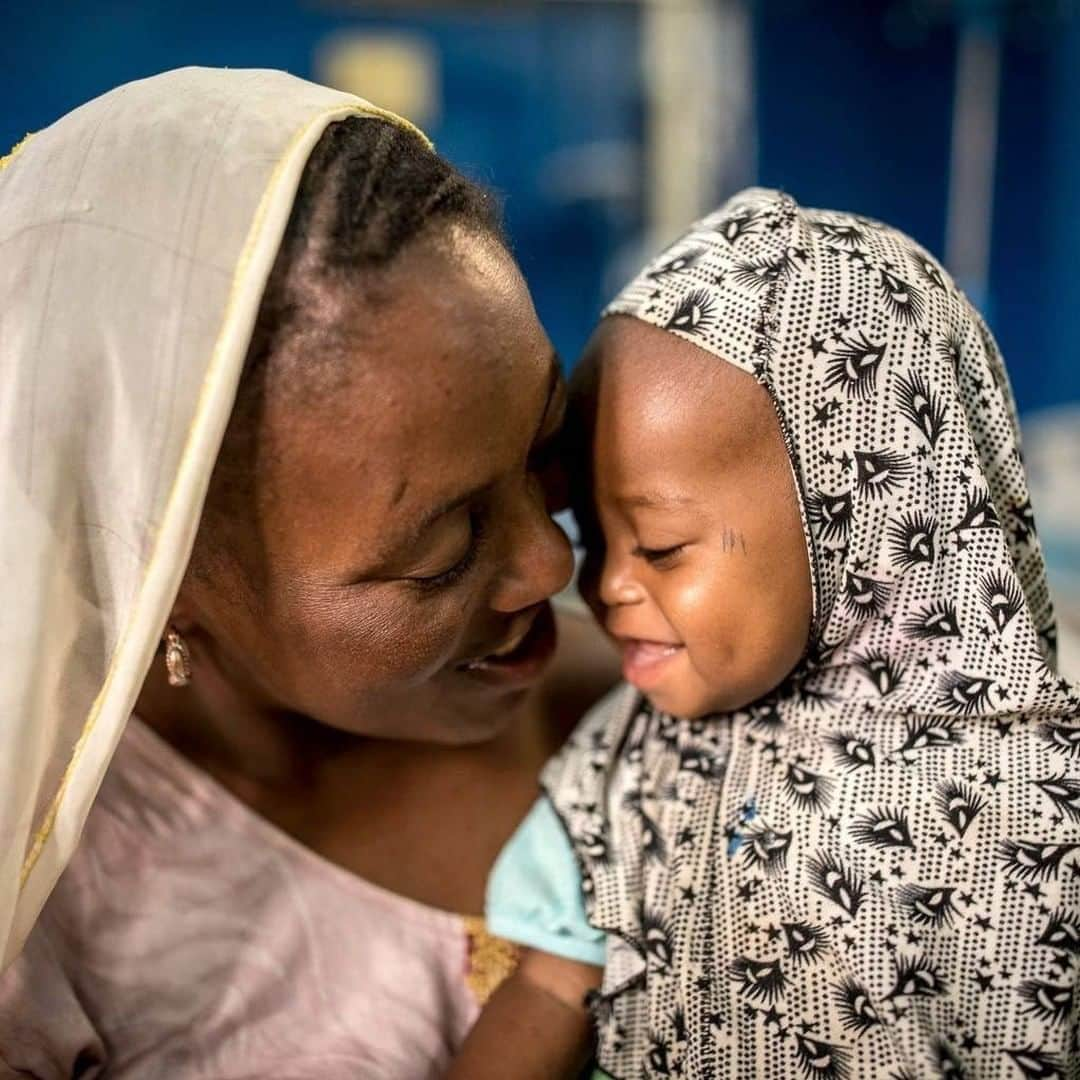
[409, 552]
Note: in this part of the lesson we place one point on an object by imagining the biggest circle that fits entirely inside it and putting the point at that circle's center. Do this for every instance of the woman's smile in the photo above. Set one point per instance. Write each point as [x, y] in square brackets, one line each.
[522, 655]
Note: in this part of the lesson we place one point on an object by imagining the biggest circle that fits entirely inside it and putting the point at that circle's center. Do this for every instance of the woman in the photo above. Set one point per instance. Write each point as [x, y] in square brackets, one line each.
[275, 403]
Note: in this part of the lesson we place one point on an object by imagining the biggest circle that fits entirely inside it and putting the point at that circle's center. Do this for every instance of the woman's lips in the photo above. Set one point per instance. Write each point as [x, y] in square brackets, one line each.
[645, 663]
[521, 658]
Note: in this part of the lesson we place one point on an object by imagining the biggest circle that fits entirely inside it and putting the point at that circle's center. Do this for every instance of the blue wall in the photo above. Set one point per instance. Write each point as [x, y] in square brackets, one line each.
[853, 110]
[1057, 276]
[517, 88]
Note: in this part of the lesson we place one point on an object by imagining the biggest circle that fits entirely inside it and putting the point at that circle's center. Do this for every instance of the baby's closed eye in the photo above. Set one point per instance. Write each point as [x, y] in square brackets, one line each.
[659, 556]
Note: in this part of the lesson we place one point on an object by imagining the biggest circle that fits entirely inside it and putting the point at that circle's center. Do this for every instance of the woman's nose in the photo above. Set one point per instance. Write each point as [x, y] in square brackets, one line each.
[539, 562]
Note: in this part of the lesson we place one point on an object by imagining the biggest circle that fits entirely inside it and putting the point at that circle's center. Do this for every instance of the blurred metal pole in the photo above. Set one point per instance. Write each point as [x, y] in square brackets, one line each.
[969, 225]
[700, 142]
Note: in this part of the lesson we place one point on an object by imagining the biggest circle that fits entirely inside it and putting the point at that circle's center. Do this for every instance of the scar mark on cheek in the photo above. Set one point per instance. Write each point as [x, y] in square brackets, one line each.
[733, 540]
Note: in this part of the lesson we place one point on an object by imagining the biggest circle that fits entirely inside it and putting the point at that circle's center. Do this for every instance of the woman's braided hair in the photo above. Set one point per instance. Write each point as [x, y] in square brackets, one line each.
[369, 188]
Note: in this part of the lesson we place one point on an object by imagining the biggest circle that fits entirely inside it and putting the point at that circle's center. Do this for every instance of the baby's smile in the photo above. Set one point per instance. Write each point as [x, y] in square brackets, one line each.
[645, 663]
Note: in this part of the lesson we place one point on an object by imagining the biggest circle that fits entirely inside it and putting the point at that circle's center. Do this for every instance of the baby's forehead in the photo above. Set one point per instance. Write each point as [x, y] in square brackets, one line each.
[665, 415]
[633, 372]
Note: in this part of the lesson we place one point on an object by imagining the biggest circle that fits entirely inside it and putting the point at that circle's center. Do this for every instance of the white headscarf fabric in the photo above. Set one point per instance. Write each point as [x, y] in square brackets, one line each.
[876, 871]
[136, 237]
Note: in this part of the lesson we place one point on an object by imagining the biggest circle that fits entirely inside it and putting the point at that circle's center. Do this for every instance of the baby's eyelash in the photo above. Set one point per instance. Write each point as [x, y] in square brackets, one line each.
[653, 556]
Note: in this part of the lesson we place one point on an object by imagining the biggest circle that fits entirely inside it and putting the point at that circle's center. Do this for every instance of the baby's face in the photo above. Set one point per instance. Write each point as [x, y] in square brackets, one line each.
[696, 563]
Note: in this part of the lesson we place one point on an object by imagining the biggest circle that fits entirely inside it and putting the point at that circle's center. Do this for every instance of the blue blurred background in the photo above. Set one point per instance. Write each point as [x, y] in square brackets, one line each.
[575, 112]
[608, 125]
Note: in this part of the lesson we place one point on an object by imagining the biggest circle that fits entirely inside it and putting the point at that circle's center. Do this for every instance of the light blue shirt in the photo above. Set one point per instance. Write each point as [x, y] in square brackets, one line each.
[534, 894]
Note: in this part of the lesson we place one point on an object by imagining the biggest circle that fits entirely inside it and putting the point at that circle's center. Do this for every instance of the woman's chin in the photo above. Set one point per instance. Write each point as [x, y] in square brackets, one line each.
[473, 719]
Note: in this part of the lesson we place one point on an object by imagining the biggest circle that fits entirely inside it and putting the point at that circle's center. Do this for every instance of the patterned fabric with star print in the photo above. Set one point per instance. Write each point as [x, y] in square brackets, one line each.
[876, 871]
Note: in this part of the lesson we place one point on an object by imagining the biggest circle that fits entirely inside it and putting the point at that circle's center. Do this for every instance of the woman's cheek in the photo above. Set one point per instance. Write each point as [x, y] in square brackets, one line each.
[389, 637]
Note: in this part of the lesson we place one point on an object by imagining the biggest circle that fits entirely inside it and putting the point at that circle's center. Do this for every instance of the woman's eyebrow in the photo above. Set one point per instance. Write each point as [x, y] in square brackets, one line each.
[411, 535]
[416, 529]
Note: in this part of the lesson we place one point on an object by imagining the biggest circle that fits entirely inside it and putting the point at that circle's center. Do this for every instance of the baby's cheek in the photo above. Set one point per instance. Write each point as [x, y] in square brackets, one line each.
[711, 617]
[743, 636]
[781, 633]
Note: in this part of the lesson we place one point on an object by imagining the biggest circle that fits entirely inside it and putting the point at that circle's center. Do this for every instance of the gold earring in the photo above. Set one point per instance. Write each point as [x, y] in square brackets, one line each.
[177, 658]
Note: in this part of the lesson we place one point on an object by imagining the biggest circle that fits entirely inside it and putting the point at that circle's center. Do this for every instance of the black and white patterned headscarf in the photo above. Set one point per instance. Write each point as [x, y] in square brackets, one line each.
[875, 872]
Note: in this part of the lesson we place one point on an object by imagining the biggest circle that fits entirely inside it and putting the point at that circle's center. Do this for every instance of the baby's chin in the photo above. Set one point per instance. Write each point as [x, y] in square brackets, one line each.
[693, 704]
[688, 706]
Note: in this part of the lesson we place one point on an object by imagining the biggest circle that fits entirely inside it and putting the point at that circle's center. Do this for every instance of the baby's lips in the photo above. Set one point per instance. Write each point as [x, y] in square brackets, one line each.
[648, 652]
[644, 663]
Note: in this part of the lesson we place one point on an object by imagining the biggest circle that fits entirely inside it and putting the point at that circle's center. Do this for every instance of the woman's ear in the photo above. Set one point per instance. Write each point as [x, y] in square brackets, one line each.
[184, 615]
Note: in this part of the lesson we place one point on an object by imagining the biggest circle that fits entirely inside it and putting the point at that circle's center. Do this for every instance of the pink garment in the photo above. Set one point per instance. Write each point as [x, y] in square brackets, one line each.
[191, 938]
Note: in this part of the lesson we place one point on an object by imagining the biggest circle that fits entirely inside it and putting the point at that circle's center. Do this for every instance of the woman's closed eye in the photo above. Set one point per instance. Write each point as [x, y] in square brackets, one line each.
[458, 570]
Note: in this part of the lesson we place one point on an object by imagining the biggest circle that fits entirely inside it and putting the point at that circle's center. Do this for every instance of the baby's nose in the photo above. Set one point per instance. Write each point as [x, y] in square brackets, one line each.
[617, 585]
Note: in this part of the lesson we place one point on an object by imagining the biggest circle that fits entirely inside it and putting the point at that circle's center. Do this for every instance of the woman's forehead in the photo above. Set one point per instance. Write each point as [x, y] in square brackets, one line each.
[391, 446]
[447, 322]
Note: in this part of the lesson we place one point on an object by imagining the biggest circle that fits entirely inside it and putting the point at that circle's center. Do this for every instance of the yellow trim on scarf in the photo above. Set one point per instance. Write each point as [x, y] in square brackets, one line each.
[49, 822]
[16, 150]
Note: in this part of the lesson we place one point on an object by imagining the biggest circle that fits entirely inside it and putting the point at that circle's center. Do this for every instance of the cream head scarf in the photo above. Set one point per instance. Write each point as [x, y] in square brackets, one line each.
[136, 236]
[874, 872]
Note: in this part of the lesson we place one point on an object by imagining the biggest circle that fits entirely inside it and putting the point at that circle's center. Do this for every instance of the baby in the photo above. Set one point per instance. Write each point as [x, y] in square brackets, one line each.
[831, 828]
